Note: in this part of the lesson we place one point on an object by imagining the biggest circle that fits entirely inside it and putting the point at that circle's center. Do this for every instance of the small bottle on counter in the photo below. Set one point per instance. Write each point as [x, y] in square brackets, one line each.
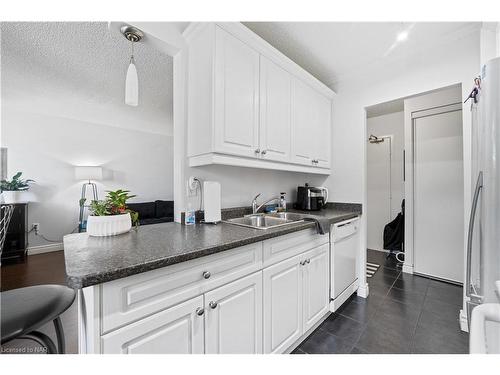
[282, 205]
[190, 217]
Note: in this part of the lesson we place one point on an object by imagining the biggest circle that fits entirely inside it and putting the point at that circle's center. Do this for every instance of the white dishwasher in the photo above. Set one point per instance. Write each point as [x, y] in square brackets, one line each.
[344, 242]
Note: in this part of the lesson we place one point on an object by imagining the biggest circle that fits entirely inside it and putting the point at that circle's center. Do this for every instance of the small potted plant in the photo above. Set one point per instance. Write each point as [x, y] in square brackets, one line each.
[111, 216]
[13, 191]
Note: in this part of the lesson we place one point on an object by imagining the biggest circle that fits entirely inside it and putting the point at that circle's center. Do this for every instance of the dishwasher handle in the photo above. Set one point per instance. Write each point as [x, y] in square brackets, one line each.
[344, 229]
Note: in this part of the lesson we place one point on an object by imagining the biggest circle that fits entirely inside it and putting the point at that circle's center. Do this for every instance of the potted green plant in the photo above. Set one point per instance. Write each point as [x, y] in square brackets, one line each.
[13, 191]
[111, 216]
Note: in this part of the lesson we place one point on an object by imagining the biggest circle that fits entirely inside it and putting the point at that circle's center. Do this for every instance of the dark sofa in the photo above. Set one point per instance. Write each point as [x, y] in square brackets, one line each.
[154, 212]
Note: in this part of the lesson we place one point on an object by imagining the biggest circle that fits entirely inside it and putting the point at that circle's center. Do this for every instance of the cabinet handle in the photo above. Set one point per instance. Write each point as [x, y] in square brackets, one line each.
[303, 263]
[207, 275]
[264, 152]
[308, 261]
[212, 304]
[200, 311]
[257, 151]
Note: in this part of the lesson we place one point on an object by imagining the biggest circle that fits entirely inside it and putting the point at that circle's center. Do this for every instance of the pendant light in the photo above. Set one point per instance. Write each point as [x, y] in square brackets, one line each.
[133, 35]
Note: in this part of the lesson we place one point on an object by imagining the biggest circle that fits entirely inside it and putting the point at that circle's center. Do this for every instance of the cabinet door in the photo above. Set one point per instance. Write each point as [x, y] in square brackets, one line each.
[275, 111]
[233, 317]
[322, 133]
[315, 285]
[177, 330]
[304, 120]
[236, 126]
[282, 305]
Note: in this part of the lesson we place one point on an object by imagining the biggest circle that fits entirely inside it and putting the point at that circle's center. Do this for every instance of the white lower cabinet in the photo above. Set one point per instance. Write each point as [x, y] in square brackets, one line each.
[240, 303]
[315, 285]
[296, 296]
[233, 317]
[177, 330]
[226, 320]
[282, 305]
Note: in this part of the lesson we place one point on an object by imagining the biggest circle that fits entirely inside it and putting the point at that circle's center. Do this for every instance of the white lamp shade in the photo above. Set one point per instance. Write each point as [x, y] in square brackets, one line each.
[132, 86]
[88, 173]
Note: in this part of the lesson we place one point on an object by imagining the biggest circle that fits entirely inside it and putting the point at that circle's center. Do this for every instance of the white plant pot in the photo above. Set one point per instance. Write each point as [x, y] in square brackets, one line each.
[13, 197]
[101, 226]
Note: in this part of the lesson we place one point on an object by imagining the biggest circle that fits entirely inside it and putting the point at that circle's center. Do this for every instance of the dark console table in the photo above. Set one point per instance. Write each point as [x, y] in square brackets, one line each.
[16, 240]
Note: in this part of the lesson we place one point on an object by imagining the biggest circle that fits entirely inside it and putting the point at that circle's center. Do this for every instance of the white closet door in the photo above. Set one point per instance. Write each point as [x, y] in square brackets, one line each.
[438, 195]
[379, 192]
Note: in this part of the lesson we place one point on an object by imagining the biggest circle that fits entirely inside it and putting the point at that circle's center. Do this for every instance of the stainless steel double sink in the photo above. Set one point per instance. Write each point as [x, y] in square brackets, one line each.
[266, 221]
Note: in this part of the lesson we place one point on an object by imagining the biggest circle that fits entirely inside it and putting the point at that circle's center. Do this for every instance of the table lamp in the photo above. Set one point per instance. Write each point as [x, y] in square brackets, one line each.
[89, 173]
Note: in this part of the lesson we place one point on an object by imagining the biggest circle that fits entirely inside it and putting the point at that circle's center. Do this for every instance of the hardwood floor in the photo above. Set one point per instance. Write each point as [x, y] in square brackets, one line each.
[39, 269]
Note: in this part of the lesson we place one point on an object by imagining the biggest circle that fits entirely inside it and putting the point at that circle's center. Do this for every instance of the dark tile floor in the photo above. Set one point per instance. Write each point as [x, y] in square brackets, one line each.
[403, 314]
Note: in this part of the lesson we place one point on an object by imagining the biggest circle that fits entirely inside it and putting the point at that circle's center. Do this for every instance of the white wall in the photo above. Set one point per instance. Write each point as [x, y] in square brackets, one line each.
[240, 185]
[389, 124]
[46, 149]
[454, 63]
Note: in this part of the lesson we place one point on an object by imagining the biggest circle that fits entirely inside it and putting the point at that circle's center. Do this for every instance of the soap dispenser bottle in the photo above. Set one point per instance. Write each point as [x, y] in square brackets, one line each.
[282, 202]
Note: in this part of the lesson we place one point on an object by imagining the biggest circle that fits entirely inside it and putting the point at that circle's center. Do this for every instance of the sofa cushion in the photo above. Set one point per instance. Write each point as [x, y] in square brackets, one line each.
[146, 210]
[164, 208]
[156, 220]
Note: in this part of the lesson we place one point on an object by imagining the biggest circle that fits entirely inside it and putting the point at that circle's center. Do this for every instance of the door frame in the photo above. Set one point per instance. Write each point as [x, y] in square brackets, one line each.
[416, 107]
[391, 143]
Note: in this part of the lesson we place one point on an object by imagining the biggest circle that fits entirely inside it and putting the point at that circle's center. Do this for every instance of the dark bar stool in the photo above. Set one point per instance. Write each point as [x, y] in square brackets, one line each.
[24, 310]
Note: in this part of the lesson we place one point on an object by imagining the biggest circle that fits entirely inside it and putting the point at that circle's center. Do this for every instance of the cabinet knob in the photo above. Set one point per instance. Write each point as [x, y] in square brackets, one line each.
[264, 152]
[200, 311]
[257, 151]
[308, 261]
[207, 275]
[212, 304]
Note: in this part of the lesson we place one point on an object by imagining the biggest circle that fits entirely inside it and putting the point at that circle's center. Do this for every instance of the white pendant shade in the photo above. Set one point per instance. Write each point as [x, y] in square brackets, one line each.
[132, 86]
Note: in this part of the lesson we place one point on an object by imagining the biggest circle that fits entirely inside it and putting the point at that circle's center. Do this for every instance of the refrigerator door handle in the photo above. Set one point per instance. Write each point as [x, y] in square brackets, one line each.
[472, 219]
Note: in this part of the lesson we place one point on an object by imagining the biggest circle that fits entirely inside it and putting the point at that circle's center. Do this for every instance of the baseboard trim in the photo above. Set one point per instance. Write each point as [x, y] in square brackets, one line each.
[408, 268]
[34, 250]
[363, 290]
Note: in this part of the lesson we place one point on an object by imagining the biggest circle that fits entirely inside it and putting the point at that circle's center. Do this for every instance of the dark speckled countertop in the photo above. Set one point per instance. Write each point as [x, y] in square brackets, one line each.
[95, 260]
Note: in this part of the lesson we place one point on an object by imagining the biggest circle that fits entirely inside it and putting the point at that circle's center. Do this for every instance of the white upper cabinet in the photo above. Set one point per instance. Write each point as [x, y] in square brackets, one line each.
[311, 123]
[304, 122]
[322, 136]
[275, 111]
[236, 96]
[248, 105]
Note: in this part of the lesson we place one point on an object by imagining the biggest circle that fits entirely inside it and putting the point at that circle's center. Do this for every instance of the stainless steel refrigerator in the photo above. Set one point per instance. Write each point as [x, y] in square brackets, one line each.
[483, 245]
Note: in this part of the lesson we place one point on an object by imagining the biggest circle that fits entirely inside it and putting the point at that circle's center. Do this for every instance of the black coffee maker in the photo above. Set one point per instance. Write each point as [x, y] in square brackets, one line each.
[311, 198]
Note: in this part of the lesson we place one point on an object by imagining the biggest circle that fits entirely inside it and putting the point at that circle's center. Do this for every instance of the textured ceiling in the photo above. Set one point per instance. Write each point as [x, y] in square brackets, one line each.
[338, 51]
[77, 70]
